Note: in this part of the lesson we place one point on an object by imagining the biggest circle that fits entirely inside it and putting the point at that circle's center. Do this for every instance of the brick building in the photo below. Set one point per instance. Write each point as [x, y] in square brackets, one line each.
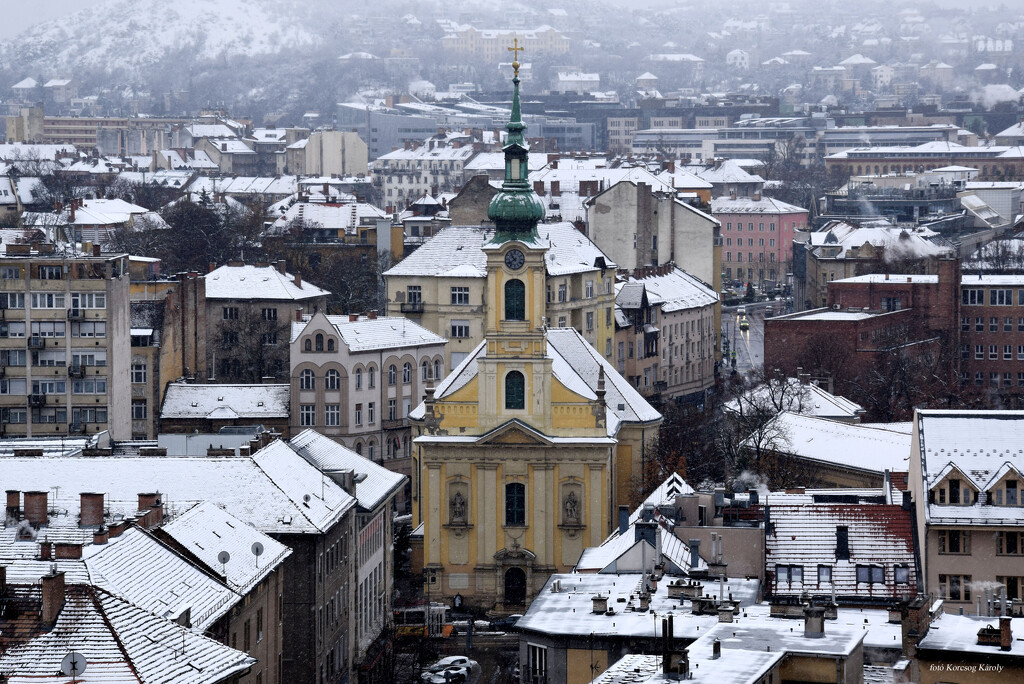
[992, 336]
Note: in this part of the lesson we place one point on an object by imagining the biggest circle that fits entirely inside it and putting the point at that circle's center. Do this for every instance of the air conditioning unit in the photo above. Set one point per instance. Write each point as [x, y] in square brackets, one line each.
[836, 307]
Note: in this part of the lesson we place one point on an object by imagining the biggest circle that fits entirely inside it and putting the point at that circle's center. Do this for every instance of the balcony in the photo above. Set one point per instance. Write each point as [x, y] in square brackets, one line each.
[394, 424]
[76, 429]
[36, 342]
[75, 314]
[412, 307]
[76, 371]
[37, 400]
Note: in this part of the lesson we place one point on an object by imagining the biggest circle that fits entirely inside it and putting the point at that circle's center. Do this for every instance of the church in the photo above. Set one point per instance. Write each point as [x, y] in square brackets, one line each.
[525, 450]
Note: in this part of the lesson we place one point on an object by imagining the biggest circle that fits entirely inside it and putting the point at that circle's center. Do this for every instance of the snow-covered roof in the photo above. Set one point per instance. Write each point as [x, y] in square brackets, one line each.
[845, 445]
[121, 643]
[250, 282]
[345, 217]
[750, 205]
[457, 252]
[958, 634]
[676, 290]
[30, 151]
[857, 60]
[26, 84]
[374, 334]
[377, 483]
[139, 568]
[268, 490]
[187, 401]
[210, 131]
[576, 365]
[280, 186]
[727, 172]
[495, 161]
[804, 534]
[104, 212]
[792, 395]
[427, 153]
[915, 278]
[916, 242]
[205, 530]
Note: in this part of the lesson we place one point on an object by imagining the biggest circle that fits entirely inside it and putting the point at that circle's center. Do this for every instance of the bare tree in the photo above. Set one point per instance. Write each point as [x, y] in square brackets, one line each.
[251, 347]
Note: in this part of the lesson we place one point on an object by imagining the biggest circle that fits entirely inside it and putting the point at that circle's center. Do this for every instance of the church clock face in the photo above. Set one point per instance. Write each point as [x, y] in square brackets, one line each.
[514, 259]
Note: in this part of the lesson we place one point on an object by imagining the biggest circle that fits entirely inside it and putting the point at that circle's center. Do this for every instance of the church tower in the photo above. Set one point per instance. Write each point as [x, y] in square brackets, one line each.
[515, 371]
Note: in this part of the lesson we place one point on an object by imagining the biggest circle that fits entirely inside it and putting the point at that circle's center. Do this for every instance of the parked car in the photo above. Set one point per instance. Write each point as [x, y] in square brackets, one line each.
[506, 623]
[768, 311]
[453, 670]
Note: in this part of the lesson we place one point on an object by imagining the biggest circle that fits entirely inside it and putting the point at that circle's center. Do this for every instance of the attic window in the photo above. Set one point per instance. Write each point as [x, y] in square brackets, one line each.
[842, 542]
[195, 404]
[259, 403]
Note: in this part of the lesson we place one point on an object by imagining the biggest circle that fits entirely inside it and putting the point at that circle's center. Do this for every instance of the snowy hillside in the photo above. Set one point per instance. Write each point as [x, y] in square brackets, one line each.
[129, 35]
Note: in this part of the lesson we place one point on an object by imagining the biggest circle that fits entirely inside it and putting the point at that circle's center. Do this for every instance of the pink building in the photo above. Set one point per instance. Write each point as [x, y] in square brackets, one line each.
[757, 237]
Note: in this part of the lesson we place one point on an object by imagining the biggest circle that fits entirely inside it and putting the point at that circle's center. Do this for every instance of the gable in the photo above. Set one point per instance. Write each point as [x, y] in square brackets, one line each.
[515, 432]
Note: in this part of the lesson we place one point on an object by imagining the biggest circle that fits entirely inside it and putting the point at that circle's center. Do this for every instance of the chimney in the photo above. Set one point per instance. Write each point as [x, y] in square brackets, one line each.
[53, 596]
[101, 536]
[95, 250]
[117, 528]
[538, 187]
[92, 509]
[716, 649]
[1005, 635]
[72, 217]
[814, 622]
[556, 188]
[156, 514]
[372, 316]
[600, 603]
[298, 314]
[757, 196]
[67, 551]
[694, 554]
[623, 519]
[212, 267]
[280, 266]
[36, 508]
[13, 503]
[297, 279]
[45, 551]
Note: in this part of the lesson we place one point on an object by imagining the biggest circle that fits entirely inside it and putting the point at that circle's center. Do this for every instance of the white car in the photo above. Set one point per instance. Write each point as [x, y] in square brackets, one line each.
[459, 669]
[742, 311]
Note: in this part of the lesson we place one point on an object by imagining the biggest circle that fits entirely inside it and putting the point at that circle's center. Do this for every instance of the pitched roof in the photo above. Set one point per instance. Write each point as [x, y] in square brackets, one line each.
[457, 252]
[749, 205]
[258, 282]
[676, 290]
[383, 332]
[377, 483]
[805, 535]
[185, 401]
[121, 643]
[205, 530]
[793, 395]
[276, 490]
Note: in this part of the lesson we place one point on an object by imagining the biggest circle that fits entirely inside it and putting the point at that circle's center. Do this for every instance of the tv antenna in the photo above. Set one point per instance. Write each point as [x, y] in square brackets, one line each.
[257, 550]
[223, 557]
[73, 665]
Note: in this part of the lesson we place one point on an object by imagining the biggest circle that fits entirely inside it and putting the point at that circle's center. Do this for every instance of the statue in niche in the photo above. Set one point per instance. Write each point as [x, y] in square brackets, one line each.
[572, 508]
[458, 507]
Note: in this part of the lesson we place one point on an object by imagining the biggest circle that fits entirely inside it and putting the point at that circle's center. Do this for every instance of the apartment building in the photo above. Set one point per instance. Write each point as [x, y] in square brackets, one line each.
[405, 175]
[992, 336]
[355, 379]
[965, 475]
[64, 343]
[757, 236]
[442, 286]
[490, 46]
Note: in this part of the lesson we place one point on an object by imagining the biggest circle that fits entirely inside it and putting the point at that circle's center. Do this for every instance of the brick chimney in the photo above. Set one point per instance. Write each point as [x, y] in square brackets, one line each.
[13, 503]
[45, 551]
[371, 316]
[1005, 635]
[117, 529]
[352, 318]
[297, 279]
[298, 314]
[101, 536]
[92, 509]
[36, 508]
[53, 597]
[73, 206]
[211, 267]
[281, 266]
[67, 551]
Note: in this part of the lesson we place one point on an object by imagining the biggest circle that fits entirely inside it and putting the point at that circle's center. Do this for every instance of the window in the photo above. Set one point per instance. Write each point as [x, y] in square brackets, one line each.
[954, 542]
[1000, 297]
[229, 339]
[269, 339]
[972, 296]
[1007, 352]
[1009, 544]
[965, 323]
[12, 300]
[332, 415]
[1011, 492]
[307, 380]
[414, 294]
[979, 324]
[47, 300]
[561, 292]
[955, 587]
[359, 378]
[515, 504]
[319, 342]
[139, 411]
[392, 409]
[139, 372]
[88, 415]
[332, 380]
[259, 625]
[407, 372]
[425, 367]
[515, 390]
[392, 374]
[89, 386]
[371, 377]
[15, 386]
[537, 663]
[307, 415]
[437, 370]
[993, 352]
[50, 273]
[824, 574]
[88, 300]
[460, 295]
[515, 300]
[84, 358]
[901, 574]
[10, 272]
[269, 314]
[48, 329]
[59, 415]
[330, 344]
[993, 324]
[358, 420]
[460, 329]
[49, 387]
[230, 313]
[13, 357]
[590, 321]
[870, 574]
[307, 345]
[1007, 324]
[589, 289]
[370, 418]
[12, 329]
[789, 574]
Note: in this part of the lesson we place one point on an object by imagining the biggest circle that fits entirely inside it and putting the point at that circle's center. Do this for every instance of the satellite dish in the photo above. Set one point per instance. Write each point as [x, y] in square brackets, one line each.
[73, 664]
[306, 498]
[223, 557]
[257, 548]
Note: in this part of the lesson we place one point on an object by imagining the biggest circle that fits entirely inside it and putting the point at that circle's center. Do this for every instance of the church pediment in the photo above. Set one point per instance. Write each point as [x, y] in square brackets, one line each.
[515, 432]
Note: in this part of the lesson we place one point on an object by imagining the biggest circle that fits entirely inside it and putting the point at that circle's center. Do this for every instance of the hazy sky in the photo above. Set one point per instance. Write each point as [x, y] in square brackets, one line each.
[24, 13]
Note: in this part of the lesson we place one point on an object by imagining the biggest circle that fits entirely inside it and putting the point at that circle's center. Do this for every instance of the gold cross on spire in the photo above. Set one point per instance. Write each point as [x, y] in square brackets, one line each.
[515, 50]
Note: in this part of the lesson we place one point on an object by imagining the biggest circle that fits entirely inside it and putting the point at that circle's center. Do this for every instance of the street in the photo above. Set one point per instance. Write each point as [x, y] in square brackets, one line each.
[748, 344]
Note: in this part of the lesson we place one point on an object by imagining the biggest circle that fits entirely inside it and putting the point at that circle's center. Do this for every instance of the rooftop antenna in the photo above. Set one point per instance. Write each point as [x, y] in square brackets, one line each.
[73, 665]
[257, 550]
[223, 557]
